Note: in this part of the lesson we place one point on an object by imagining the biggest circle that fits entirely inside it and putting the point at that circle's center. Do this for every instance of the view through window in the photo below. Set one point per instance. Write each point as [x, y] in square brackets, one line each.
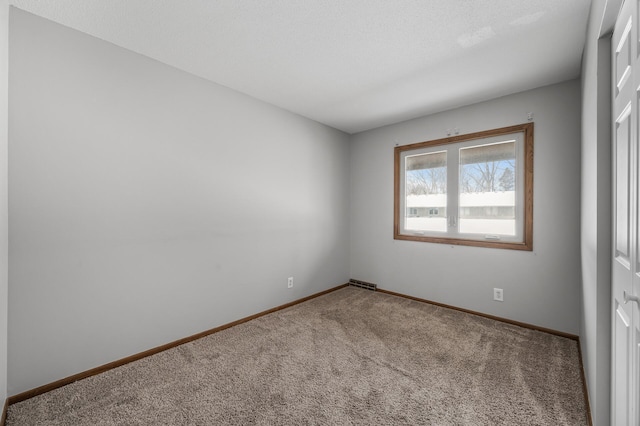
[473, 189]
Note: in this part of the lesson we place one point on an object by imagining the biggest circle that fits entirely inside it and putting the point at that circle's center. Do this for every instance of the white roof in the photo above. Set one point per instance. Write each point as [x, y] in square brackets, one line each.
[476, 199]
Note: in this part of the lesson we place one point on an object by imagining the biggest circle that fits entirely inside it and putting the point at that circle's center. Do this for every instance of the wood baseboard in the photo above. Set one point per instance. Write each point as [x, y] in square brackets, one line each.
[520, 324]
[101, 369]
[106, 367]
[493, 317]
[3, 419]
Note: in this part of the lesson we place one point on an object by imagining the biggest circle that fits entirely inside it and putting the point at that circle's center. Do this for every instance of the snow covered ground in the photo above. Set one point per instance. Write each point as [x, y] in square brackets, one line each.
[467, 226]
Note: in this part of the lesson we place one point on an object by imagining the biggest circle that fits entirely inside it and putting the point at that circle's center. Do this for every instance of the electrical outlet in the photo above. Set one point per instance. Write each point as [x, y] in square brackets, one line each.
[290, 282]
[498, 294]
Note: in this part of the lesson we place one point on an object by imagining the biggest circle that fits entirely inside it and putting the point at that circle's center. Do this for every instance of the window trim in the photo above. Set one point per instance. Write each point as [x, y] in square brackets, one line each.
[527, 241]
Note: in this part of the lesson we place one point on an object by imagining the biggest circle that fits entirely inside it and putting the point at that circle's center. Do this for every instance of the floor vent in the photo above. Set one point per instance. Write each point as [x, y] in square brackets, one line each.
[363, 284]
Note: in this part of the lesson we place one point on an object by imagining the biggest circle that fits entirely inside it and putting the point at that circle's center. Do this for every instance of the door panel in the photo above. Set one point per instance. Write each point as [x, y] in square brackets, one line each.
[625, 256]
[621, 141]
[622, 338]
[636, 375]
[623, 57]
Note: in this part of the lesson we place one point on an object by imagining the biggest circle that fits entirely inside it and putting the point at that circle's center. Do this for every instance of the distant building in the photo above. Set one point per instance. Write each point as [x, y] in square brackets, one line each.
[474, 205]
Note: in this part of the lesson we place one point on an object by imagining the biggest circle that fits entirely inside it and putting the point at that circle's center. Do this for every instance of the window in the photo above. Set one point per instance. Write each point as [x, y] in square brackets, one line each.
[474, 189]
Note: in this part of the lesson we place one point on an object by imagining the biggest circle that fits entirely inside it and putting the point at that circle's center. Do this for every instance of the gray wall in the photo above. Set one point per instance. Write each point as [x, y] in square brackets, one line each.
[540, 287]
[595, 321]
[4, 241]
[147, 204]
[134, 188]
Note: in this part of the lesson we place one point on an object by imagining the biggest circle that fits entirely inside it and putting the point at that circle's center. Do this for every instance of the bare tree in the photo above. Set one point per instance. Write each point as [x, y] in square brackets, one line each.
[427, 181]
[507, 180]
[487, 176]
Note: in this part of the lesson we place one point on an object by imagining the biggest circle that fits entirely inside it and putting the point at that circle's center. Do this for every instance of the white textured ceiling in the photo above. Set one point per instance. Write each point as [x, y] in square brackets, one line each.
[351, 64]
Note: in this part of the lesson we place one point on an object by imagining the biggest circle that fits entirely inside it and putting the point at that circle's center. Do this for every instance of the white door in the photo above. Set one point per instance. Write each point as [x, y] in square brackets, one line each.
[626, 256]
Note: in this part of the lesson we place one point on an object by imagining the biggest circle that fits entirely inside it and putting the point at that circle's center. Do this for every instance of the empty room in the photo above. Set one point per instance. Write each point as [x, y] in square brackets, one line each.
[319, 212]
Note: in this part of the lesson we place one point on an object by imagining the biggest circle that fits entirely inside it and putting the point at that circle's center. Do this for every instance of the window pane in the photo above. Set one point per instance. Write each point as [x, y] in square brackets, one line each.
[426, 192]
[488, 189]
[473, 190]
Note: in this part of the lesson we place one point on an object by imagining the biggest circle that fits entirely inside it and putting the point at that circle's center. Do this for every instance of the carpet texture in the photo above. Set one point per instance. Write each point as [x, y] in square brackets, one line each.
[351, 357]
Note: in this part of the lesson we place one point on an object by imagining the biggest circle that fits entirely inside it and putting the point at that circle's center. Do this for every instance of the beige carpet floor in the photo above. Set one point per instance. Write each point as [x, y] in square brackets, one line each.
[351, 357]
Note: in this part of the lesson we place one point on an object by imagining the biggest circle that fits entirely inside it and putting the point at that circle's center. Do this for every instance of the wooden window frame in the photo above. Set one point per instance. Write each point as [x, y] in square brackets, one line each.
[527, 220]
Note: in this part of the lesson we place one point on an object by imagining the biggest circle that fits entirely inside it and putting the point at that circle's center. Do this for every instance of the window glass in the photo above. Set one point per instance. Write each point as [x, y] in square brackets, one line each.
[488, 189]
[474, 189]
[426, 192]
